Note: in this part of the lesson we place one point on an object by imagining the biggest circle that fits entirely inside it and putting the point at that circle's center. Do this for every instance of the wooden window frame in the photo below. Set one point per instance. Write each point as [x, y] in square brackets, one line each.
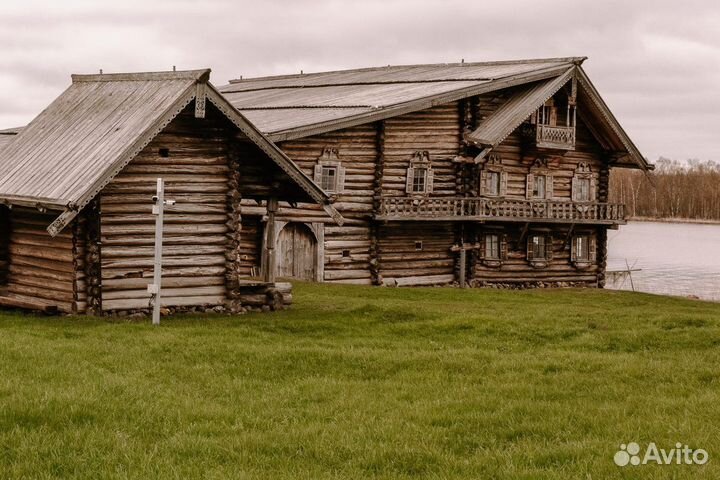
[419, 160]
[540, 168]
[583, 172]
[493, 261]
[546, 259]
[330, 160]
[493, 165]
[591, 258]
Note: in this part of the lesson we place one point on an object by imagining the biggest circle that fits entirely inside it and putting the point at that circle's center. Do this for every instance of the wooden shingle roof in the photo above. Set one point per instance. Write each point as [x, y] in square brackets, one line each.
[77, 145]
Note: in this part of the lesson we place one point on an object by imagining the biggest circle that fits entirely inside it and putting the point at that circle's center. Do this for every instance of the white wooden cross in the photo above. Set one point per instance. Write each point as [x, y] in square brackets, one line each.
[158, 210]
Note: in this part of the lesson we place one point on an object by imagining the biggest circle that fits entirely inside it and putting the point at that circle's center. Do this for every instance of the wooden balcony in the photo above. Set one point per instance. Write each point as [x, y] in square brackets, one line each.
[501, 210]
[559, 138]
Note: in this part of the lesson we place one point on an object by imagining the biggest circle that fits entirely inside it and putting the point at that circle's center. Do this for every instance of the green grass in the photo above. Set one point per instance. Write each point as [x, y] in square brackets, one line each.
[357, 382]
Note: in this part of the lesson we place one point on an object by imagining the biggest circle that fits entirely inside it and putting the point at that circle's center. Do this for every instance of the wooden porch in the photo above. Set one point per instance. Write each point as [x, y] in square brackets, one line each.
[488, 209]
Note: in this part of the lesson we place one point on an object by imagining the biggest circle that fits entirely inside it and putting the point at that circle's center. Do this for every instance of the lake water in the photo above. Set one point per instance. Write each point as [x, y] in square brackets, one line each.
[674, 258]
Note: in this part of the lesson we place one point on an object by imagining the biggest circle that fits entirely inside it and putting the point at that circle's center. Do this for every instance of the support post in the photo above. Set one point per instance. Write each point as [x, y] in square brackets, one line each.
[463, 255]
[270, 269]
[158, 210]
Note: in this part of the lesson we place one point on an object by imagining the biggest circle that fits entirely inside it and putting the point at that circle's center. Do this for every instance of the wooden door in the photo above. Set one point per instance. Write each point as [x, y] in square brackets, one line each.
[296, 251]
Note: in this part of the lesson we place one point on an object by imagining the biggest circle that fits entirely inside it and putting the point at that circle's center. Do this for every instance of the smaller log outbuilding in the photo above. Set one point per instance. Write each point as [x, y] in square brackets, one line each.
[76, 187]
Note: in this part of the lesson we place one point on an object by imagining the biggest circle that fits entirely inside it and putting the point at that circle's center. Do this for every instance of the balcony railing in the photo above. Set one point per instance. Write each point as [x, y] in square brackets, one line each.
[487, 209]
[555, 137]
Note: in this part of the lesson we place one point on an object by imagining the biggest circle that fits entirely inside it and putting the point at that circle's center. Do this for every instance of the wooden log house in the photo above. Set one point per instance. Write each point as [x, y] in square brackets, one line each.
[76, 188]
[480, 173]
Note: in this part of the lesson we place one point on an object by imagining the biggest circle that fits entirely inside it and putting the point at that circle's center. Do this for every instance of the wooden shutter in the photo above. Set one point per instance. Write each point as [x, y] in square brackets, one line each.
[429, 178]
[592, 248]
[574, 189]
[503, 247]
[503, 184]
[530, 251]
[573, 249]
[483, 182]
[409, 180]
[529, 184]
[549, 191]
[481, 250]
[549, 247]
[318, 173]
[593, 178]
[340, 180]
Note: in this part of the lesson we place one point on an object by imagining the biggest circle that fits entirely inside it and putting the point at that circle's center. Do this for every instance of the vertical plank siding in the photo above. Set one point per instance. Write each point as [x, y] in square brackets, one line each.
[196, 175]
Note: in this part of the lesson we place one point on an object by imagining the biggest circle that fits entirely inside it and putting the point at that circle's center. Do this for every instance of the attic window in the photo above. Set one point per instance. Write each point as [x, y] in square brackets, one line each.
[418, 245]
[164, 152]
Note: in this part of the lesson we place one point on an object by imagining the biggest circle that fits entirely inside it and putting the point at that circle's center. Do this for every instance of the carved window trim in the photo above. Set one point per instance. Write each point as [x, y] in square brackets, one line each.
[329, 160]
[584, 172]
[540, 168]
[498, 238]
[540, 254]
[579, 259]
[420, 161]
[493, 165]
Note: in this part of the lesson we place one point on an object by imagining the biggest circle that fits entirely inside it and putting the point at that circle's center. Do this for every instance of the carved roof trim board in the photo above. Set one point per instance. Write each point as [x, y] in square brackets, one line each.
[593, 104]
[503, 121]
[77, 145]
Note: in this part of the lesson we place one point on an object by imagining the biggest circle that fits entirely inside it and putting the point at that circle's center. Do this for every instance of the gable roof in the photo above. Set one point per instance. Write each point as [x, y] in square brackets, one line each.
[526, 100]
[296, 106]
[77, 145]
[8, 135]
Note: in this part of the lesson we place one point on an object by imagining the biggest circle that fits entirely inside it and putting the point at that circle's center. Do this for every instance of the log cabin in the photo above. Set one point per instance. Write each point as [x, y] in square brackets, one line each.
[468, 173]
[76, 190]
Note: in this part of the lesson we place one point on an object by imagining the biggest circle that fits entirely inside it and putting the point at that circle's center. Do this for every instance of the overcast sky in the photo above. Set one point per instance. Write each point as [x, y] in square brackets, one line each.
[656, 63]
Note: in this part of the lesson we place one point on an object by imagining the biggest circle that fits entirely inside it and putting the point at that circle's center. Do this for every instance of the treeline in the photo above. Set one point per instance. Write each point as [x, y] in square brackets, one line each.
[674, 190]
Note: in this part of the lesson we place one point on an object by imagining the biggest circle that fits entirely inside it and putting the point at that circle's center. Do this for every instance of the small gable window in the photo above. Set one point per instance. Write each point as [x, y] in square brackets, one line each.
[419, 180]
[539, 250]
[493, 179]
[583, 183]
[329, 172]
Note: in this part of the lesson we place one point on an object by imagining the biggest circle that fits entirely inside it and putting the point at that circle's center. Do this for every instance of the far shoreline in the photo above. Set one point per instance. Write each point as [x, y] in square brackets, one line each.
[697, 221]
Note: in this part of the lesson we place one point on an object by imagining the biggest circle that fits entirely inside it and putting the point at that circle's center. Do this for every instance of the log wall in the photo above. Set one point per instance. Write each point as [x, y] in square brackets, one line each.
[43, 269]
[4, 244]
[515, 268]
[196, 175]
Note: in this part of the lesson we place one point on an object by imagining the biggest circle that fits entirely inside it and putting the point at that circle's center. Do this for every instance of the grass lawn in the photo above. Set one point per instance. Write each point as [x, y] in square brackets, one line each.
[357, 382]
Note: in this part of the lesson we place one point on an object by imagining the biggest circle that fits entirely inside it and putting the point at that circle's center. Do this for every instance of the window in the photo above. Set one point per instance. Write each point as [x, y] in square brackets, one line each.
[539, 183]
[492, 183]
[581, 248]
[328, 179]
[329, 173]
[346, 253]
[419, 180]
[418, 246]
[582, 190]
[582, 252]
[539, 250]
[164, 152]
[492, 246]
[583, 183]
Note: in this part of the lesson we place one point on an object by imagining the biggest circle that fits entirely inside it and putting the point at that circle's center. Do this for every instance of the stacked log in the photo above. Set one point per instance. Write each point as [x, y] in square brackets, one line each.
[4, 243]
[92, 262]
[191, 155]
[42, 268]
